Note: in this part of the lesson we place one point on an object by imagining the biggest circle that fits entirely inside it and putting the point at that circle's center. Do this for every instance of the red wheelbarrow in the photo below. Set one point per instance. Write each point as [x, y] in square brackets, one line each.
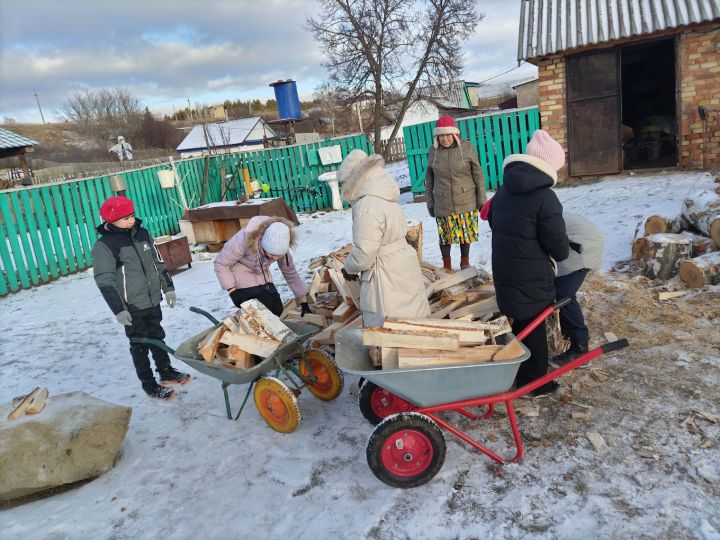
[407, 447]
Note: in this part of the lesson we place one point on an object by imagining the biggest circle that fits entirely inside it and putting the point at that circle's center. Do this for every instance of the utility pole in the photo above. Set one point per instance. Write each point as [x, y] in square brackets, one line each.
[38, 102]
[190, 109]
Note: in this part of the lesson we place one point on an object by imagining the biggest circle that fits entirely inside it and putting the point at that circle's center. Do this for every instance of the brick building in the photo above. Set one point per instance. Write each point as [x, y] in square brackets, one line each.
[627, 84]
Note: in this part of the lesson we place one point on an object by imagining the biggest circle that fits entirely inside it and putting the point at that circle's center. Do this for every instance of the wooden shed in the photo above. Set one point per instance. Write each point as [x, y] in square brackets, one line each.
[14, 145]
[627, 84]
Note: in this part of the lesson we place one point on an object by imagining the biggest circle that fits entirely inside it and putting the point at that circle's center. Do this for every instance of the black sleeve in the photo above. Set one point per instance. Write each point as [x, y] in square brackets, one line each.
[551, 228]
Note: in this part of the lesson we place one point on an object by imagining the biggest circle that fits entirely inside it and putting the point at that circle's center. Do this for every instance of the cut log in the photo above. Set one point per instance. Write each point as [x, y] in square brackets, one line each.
[343, 312]
[466, 335]
[476, 309]
[414, 237]
[510, 351]
[452, 279]
[262, 347]
[702, 270]
[20, 410]
[231, 324]
[381, 337]
[700, 244]
[389, 357]
[444, 311]
[240, 357]
[662, 224]
[664, 253]
[703, 213]
[375, 354]
[209, 344]
[416, 358]
[38, 402]
[639, 247]
[257, 314]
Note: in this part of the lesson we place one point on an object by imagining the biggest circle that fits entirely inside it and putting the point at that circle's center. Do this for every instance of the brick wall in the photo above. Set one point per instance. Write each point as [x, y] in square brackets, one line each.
[699, 78]
[551, 76]
[699, 82]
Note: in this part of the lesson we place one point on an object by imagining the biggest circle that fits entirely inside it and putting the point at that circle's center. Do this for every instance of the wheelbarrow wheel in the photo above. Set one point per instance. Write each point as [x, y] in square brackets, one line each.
[406, 450]
[277, 404]
[376, 403]
[330, 379]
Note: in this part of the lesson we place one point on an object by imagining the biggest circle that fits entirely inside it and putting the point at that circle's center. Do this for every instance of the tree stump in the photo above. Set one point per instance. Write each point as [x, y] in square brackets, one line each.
[662, 224]
[702, 270]
[703, 213]
[700, 244]
[663, 253]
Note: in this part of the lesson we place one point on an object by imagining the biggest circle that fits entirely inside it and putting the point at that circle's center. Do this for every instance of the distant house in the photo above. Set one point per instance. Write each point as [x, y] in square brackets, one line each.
[627, 83]
[225, 137]
[14, 145]
[458, 98]
[528, 93]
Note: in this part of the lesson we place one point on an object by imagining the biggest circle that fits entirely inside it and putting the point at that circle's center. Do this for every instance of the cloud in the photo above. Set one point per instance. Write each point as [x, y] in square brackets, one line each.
[166, 51]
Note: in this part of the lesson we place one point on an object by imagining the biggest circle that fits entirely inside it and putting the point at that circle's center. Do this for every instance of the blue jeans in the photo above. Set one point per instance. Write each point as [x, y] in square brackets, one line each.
[572, 321]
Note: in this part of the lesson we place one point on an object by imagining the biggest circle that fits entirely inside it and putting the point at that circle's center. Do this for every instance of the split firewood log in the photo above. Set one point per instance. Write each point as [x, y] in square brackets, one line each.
[662, 224]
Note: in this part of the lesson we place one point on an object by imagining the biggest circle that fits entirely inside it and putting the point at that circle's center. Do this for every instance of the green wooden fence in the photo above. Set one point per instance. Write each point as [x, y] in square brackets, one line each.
[48, 231]
[495, 136]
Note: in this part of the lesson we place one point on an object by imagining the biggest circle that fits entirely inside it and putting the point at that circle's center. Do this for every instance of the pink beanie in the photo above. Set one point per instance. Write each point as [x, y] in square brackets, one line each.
[544, 147]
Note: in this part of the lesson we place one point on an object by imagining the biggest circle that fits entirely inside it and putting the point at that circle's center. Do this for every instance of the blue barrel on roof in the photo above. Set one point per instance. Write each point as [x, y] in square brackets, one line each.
[287, 100]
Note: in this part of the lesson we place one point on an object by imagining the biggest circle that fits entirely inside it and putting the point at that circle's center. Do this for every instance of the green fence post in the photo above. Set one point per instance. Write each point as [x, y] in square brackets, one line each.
[41, 211]
[10, 272]
[58, 246]
[12, 236]
[72, 226]
[32, 227]
[81, 224]
[27, 251]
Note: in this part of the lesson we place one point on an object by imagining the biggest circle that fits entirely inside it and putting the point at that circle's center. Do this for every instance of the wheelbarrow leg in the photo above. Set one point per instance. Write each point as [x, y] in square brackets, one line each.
[515, 431]
[247, 395]
[227, 400]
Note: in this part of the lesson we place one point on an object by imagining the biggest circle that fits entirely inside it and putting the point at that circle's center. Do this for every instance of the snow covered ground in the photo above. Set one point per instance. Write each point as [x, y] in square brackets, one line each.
[188, 472]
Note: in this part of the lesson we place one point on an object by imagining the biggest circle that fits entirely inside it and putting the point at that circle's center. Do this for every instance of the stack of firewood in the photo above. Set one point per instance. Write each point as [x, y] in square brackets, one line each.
[254, 331]
[686, 244]
[414, 343]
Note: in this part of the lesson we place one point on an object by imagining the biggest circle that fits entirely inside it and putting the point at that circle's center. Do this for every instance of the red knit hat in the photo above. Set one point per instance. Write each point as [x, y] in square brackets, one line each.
[116, 208]
[445, 126]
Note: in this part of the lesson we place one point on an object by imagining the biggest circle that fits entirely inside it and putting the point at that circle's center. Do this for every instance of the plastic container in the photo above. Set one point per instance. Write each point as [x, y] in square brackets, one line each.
[167, 178]
[287, 100]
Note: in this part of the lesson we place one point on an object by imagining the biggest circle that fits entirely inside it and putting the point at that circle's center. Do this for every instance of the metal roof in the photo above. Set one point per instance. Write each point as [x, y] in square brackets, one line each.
[551, 26]
[9, 140]
[221, 134]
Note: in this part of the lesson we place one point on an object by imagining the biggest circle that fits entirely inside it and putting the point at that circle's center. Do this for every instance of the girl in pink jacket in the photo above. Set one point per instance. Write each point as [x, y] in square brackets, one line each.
[242, 267]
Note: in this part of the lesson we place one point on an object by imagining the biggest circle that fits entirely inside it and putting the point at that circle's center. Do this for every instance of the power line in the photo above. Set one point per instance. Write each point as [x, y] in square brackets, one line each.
[503, 73]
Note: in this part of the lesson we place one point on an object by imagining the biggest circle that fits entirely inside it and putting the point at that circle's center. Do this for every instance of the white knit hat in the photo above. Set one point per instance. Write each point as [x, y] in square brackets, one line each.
[276, 239]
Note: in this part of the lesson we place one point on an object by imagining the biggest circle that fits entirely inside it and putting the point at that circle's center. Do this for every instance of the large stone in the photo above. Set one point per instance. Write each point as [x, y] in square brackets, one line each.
[74, 438]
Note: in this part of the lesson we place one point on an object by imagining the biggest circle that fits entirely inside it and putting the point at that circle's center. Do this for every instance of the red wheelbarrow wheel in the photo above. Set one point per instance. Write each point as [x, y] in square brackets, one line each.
[406, 450]
[330, 379]
[376, 403]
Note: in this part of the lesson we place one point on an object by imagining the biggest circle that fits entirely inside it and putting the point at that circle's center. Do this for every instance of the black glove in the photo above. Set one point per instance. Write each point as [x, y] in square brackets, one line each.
[576, 247]
[349, 277]
[304, 308]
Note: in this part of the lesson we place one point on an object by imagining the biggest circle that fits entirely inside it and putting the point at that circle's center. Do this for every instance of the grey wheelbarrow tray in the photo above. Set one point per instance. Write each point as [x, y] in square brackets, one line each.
[428, 386]
[187, 351]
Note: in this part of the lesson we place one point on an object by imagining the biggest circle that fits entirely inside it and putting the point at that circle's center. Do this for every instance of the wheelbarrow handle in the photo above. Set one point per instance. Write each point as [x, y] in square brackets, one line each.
[615, 345]
[561, 303]
[203, 312]
[150, 341]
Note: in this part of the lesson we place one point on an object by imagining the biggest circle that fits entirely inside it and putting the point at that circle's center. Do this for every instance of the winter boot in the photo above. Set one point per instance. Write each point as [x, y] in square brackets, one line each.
[447, 263]
[546, 389]
[154, 390]
[172, 376]
[464, 263]
[576, 350]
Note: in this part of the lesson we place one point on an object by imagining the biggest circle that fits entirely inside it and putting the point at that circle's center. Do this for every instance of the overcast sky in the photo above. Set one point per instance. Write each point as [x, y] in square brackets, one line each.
[168, 51]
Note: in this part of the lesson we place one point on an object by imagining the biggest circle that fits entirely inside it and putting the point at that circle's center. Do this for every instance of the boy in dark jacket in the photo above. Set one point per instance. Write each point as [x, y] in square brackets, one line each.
[528, 237]
[131, 277]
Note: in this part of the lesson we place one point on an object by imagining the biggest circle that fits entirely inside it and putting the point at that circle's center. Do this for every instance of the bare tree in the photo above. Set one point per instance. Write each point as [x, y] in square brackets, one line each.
[382, 50]
[105, 113]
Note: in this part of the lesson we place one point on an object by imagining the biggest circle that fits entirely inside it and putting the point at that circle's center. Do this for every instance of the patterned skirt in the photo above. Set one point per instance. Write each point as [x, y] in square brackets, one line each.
[458, 228]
